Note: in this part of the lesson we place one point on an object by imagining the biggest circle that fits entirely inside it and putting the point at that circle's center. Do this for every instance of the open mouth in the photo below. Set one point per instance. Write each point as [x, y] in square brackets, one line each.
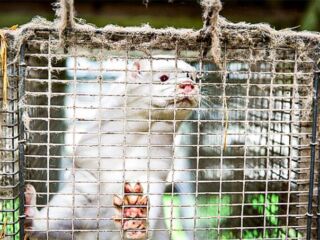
[182, 101]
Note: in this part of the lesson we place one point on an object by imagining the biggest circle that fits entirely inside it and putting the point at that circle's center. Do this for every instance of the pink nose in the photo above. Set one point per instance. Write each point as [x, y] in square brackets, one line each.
[187, 87]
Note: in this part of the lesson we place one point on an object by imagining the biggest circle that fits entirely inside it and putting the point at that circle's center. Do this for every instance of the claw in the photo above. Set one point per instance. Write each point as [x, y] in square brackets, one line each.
[143, 200]
[138, 188]
[128, 188]
[117, 201]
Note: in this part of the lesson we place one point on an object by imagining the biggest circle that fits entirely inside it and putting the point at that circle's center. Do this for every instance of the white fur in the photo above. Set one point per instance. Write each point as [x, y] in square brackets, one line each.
[140, 139]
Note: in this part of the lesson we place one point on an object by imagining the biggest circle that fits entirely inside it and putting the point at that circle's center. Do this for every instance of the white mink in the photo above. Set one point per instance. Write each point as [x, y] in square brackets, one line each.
[132, 141]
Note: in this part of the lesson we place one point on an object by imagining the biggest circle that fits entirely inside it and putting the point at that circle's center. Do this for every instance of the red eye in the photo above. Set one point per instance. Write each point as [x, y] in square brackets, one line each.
[164, 78]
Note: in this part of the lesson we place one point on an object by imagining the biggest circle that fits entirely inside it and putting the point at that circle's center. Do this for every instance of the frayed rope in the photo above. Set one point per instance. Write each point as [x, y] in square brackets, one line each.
[3, 56]
[211, 9]
[65, 15]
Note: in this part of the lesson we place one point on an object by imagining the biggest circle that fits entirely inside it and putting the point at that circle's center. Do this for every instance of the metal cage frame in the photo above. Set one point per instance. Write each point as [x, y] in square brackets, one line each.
[235, 42]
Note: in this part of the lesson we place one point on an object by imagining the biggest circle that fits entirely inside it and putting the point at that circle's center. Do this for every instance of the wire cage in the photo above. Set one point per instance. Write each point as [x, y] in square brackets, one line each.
[129, 133]
[10, 175]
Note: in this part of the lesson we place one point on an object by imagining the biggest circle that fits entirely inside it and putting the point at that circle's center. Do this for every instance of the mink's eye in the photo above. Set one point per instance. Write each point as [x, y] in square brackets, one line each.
[164, 78]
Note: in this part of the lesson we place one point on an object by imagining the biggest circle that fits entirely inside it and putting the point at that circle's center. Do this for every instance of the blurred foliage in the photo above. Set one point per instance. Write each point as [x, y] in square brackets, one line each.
[8, 19]
[214, 209]
[9, 218]
[311, 20]
[278, 13]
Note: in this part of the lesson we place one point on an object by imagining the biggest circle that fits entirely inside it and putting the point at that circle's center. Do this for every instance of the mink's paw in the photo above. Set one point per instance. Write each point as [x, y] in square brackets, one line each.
[133, 211]
[30, 196]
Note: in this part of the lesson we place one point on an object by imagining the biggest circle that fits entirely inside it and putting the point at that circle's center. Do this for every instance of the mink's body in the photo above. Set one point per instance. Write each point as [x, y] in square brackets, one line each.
[132, 141]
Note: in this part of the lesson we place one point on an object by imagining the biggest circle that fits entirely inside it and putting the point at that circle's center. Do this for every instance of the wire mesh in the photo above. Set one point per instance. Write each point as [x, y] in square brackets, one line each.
[239, 165]
[10, 194]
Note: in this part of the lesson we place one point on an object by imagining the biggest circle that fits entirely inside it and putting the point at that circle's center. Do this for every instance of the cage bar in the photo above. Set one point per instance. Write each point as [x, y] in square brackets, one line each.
[313, 144]
[22, 140]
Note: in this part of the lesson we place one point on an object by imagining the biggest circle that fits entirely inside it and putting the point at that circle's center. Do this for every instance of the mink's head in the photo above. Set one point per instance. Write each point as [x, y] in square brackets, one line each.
[166, 87]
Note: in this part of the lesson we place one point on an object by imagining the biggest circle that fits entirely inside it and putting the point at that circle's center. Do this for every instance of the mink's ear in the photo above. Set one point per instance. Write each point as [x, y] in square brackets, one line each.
[138, 68]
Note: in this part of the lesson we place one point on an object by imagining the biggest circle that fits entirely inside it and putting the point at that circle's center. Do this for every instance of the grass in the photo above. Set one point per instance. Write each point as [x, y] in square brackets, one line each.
[9, 219]
[215, 207]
